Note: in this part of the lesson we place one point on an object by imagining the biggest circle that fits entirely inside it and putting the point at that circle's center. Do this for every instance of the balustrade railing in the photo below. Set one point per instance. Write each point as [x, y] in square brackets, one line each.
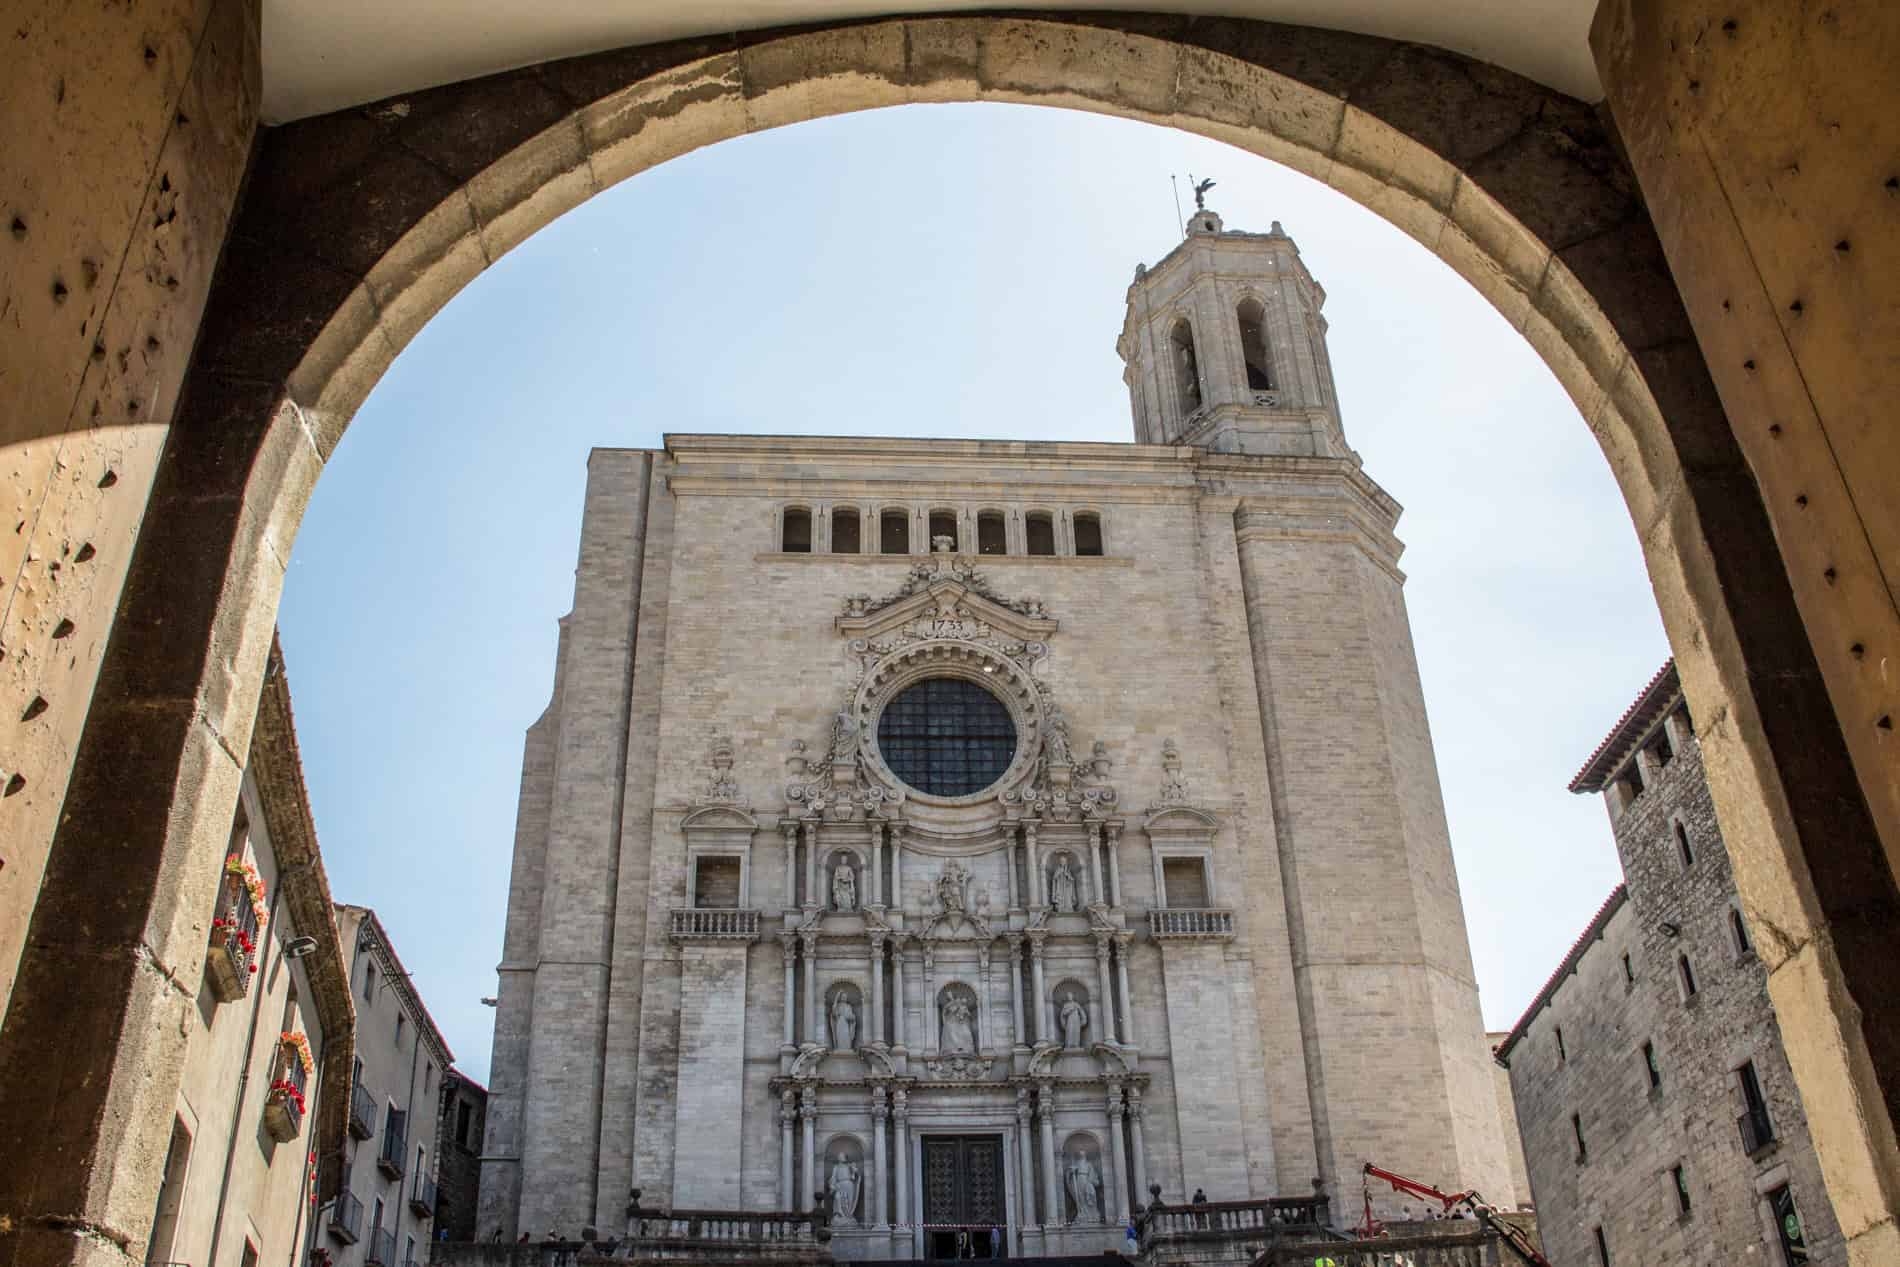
[382, 1248]
[362, 1112]
[422, 1197]
[1203, 921]
[1476, 1248]
[1265, 1219]
[762, 1226]
[715, 924]
[346, 1217]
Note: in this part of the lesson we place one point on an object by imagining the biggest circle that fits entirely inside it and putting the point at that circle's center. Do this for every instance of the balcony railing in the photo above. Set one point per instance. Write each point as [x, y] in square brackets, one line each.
[727, 1227]
[382, 1247]
[389, 1157]
[1255, 1223]
[284, 1102]
[714, 924]
[1186, 923]
[231, 956]
[1757, 1131]
[362, 1112]
[346, 1217]
[1473, 1248]
[422, 1197]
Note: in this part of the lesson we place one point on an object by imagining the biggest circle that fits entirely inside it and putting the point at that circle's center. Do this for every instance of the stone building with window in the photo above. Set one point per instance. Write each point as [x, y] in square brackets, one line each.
[267, 1046]
[459, 1124]
[384, 1214]
[987, 831]
[1660, 1120]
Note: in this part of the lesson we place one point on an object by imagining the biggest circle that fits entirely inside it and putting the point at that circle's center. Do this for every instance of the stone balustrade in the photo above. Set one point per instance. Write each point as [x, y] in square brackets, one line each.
[1191, 922]
[1475, 1248]
[714, 924]
[1229, 1231]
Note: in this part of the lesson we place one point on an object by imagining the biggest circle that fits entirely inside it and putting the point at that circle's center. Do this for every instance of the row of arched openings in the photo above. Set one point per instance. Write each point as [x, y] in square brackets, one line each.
[1251, 316]
[893, 530]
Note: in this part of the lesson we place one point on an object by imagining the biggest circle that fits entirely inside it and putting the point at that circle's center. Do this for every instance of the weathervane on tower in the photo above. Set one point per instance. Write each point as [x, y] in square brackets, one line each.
[1200, 192]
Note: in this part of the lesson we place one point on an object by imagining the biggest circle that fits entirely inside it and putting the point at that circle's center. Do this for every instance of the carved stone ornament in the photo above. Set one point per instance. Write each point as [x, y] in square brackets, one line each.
[721, 787]
[960, 1068]
[1174, 789]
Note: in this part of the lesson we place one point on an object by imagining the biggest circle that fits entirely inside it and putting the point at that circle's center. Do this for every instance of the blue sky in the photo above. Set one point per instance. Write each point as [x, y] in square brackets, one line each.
[924, 271]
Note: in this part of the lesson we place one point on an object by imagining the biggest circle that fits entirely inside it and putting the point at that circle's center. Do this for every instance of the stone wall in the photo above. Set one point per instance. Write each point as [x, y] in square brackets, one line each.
[458, 1159]
[1636, 1134]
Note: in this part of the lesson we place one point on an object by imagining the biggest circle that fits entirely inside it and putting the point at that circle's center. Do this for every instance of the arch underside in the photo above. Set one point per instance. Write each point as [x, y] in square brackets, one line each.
[357, 227]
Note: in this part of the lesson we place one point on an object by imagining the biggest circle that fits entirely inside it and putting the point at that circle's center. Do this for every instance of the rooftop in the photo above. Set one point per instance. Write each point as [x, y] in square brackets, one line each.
[1655, 699]
[1598, 922]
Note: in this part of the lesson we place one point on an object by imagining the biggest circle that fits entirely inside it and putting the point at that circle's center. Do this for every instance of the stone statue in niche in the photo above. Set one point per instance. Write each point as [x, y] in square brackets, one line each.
[950, 887]
[844, 1022]
[1062, 886]
[959, 1026]
[1084, 1182]
[844, 886]
[846, 1185]
[1073, 1018]
[844, 737]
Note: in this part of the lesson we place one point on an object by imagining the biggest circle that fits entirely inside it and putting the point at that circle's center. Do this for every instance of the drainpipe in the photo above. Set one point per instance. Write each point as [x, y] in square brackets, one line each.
[250, 1043]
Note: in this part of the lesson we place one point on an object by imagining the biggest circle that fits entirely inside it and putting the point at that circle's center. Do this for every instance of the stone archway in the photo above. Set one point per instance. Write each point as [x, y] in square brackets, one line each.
[357, 227]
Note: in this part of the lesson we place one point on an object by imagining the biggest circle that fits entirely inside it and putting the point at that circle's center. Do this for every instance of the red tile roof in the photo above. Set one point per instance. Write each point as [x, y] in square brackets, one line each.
[1629, 729]
[1598, 922]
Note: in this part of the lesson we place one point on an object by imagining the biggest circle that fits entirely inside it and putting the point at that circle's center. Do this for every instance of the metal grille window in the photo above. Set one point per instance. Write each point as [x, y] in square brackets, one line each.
[947, 737]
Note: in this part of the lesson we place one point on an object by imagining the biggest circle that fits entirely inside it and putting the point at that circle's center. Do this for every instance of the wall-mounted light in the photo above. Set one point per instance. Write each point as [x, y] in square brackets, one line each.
[489, 1001]
[299, 947]
[1669, 929]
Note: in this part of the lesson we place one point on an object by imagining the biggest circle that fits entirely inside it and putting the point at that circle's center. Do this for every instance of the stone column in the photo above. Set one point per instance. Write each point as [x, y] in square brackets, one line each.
[875, 1030]
[984, 1043]
[900, 1014]
[1102, 1008]
[808, 1110]
[1045, 1025]
[1095, 863]
[1122, 941]
[788, 942]
[874, 886]
[814, 896]
[787, 1113]
[933, 1040]
[1016, 988]
[880, 1120]
[1014, 903]
[1036, 896]
[1135, 1115]
[1114, 865]
[1114, 1178]
[897, 868]
[901, 1110]
[790, 831]
[809, 938]
[1025, 1160]
[1051, 1191]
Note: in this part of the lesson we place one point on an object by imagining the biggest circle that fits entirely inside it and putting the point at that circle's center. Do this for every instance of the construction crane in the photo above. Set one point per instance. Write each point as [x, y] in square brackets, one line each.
[1449, 1201]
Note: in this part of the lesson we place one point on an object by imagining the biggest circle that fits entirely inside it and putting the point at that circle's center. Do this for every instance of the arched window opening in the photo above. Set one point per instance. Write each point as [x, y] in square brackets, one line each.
[894, 532]
[1252, 315]
[1682, 846]
[943, 523]
[846, 531]
[1088, 534]
[1039, 531]
[990, 535]
[796, 535]
[1187, 367]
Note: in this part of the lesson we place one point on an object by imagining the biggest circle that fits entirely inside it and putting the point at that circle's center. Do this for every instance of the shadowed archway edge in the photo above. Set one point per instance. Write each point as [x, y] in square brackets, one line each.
[356, 227]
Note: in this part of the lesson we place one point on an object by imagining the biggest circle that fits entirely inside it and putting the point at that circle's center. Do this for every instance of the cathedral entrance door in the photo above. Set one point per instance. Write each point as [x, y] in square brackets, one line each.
[963, 1197]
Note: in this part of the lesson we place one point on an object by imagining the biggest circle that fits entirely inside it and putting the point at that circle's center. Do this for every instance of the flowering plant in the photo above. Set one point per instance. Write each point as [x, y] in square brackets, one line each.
[245, 872]
[296, 1042]
[285, 1089]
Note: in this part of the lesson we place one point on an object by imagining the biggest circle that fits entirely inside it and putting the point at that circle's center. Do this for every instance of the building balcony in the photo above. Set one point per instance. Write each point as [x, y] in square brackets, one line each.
[231, 957]
[346, 1217]
[1205, 923]
[1229, 1231]
[1756, 1130]
[382, 1248]
[284, 1102]
[362, 1112]
[389, 1157]
[715, 924]
[422, 1198]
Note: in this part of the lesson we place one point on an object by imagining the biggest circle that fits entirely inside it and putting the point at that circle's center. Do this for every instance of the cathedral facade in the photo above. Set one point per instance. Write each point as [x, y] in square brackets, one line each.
[989, 831]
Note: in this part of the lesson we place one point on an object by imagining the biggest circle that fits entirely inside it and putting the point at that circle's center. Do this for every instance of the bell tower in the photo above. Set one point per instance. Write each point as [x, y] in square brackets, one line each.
[1225, 347]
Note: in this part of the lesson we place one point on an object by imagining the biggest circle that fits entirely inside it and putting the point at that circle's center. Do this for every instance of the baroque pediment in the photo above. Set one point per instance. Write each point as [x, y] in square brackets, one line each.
[946, 597]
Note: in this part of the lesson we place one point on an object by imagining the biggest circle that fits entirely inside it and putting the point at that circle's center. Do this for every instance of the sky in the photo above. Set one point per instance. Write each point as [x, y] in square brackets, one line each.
[954, 271]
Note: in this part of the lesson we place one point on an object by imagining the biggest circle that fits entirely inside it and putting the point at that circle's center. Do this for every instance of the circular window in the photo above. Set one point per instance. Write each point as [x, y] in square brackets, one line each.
[946, 736]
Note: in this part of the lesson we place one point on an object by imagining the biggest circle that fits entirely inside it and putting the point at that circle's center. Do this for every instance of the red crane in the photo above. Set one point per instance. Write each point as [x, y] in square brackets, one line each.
[1485, 1214]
